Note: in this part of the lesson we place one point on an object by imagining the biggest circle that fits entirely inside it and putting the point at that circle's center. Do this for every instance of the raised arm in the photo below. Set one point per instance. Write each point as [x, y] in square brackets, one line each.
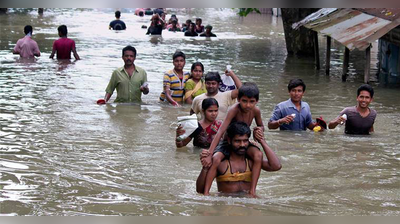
[201, 179]
[272, 162]
[238, 84]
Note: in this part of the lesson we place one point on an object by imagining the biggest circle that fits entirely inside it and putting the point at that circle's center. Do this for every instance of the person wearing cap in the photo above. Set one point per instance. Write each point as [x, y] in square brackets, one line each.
[117, 24]
[174, 81]
[293, 114]
[208, 32]
[225, 99]
[359, 119]
[26, 47]
[156, 26]
[129, 80]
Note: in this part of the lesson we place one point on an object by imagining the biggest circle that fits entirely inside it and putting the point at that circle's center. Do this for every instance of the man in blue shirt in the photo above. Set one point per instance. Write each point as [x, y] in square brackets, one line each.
[292, 114]
[117, 24]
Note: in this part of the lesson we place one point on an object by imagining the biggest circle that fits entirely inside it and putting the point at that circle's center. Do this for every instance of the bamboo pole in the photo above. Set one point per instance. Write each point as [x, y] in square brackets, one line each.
[316, 51]
[367, 64]
[345, 64]
[328, 55]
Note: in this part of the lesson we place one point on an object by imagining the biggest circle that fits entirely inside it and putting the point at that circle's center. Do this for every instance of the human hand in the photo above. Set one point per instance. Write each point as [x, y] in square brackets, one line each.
[204, 153]
[286, 120]
[229, 73]
[175, 104]
[258, 134]
[206, 161]
[179, 131]
[340, 120]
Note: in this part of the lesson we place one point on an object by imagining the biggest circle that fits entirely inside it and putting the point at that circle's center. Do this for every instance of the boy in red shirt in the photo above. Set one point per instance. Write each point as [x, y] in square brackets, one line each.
[64, 45]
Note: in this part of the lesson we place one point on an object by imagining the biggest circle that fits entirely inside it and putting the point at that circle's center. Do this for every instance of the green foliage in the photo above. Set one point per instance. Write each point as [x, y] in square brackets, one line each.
[246, 11]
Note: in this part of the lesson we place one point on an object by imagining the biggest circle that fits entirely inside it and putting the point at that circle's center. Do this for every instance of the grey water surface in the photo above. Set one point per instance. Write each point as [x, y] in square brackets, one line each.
[62, 154]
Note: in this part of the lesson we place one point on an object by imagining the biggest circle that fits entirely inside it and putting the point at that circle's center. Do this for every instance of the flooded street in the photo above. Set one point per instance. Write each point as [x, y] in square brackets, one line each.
[62, 154]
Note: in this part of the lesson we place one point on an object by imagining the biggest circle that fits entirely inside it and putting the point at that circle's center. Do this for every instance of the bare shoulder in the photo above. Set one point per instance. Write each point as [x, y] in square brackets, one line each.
[222, 167]
[256, 110]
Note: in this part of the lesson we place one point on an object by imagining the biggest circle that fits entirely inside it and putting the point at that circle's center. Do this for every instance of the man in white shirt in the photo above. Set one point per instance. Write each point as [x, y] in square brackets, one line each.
[225, 99]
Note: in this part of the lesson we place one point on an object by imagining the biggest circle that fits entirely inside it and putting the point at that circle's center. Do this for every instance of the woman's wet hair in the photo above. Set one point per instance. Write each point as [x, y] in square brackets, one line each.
[365, 87]
[208, 103]
[213, 76]
[129, 48]
[250, 90]
[295, 83]
[238, 128]
[178, 54]
[194, 65]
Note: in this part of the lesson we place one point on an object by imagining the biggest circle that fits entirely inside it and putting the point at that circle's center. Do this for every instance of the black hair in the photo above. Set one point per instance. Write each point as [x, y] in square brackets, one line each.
[197, 64]
[365, 87]
[63, 30]
[295, 83]
[141, 13]
[208, 102]
[199, 19]
[28, 29]
[238, 128]
[178, 54]
[117, 14]
[250, 90]
[188, 21]
[129, 48]
[213, 76]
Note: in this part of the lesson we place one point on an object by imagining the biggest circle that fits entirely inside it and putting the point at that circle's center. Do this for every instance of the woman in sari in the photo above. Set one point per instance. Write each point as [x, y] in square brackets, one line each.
[195, 85]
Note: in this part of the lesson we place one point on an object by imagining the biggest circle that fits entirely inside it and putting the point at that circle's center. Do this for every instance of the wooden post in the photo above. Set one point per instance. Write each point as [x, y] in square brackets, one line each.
[345, 64]
[367, 64]
[316, 51]
[328, 55]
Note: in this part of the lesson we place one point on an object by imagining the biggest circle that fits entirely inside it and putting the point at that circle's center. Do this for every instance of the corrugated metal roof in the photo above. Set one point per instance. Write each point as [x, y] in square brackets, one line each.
[350, 27]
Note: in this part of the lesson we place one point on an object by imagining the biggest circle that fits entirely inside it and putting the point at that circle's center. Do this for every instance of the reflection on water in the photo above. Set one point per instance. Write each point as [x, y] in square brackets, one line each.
[62, 154]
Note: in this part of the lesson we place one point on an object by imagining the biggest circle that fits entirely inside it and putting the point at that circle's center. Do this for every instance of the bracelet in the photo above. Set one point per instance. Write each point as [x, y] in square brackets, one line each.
[279, 123]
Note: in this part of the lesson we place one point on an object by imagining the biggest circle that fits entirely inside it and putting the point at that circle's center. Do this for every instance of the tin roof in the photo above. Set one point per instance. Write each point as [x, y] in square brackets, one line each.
[354, 28]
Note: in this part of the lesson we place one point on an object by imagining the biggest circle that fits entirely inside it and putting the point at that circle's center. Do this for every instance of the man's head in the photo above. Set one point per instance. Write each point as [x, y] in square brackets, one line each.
[365, 94]
[248, 96]
[296, 89]
[179, 60]
[188, 22]
[212, 80]
[62, 30]
[117, 14]
[28, 29]
[128, 55]
[208, 28]
[238, 137]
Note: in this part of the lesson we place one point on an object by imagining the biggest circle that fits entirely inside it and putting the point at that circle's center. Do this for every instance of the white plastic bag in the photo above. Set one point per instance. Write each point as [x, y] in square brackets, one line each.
[227, 82]
[189, 124]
